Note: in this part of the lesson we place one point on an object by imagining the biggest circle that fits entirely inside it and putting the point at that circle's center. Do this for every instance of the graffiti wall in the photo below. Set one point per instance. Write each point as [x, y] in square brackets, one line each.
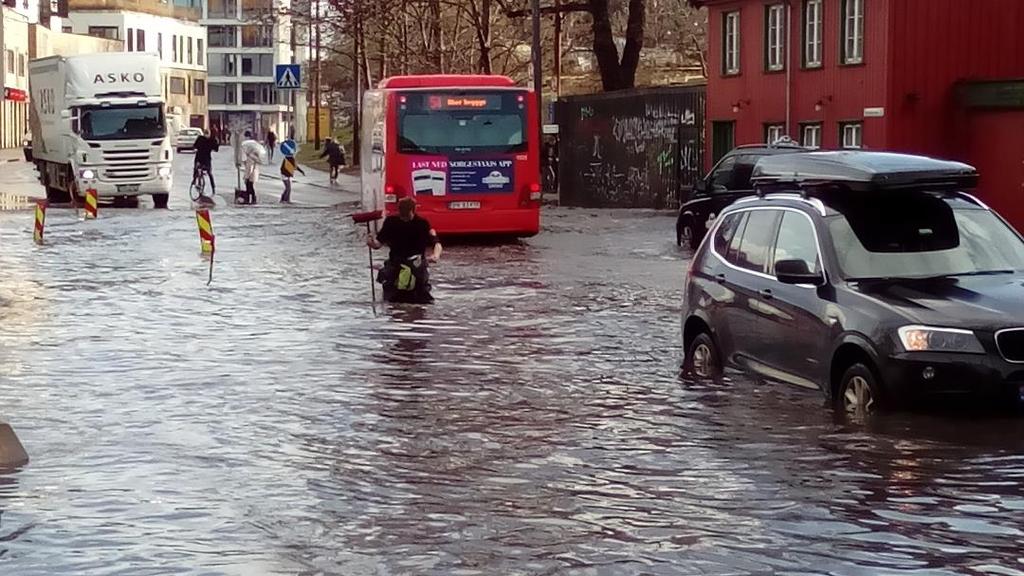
[631, 149]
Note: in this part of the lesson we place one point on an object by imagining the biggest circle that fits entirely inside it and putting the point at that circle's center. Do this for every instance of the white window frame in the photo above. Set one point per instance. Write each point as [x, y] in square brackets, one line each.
[778, 130]
[851, 135]
[808, 129]
[853, 31]
[775, 37]
[813, 41]
[731, 43]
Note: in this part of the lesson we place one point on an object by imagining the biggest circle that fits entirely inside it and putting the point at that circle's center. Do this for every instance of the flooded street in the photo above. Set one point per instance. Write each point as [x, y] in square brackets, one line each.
[531, 422]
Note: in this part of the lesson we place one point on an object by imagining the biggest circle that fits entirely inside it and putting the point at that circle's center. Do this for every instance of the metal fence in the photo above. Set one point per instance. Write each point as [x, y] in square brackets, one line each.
[631, 149]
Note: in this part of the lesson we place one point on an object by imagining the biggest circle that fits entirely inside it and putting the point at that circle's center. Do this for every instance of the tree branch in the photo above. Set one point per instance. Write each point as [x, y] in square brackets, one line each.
[549, 10]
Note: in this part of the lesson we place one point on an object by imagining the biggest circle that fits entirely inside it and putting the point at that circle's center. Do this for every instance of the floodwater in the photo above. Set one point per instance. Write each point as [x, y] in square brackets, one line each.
[531, 422]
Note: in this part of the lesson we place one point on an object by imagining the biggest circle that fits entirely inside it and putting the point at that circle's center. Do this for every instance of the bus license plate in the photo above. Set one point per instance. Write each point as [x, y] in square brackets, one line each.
[127, 188]
[463, 205]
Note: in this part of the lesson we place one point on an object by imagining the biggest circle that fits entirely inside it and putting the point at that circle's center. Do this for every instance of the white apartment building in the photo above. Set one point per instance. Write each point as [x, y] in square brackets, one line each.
[170, 30]
[247, 39]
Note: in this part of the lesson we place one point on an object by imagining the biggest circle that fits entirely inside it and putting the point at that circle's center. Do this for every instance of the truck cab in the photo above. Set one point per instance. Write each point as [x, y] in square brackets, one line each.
[99, 124]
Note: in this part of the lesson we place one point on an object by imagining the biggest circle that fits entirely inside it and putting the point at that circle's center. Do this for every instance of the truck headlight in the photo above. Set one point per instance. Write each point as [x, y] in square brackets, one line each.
[932, 339]
[87, 174]
[164, 171]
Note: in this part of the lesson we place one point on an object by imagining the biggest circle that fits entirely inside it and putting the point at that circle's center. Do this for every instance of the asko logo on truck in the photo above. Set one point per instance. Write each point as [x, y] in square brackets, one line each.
[123, 77]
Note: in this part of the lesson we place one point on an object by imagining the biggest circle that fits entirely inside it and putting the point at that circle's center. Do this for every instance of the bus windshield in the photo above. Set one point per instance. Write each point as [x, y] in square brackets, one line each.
[461, 122]
[123, 122]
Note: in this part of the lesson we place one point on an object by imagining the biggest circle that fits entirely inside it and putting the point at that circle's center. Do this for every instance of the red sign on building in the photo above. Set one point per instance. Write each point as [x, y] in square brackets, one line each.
[15, 94]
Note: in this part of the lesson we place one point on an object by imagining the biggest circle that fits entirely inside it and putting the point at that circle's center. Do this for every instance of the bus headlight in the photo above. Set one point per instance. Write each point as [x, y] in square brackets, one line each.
[164, 171]
[87, 174]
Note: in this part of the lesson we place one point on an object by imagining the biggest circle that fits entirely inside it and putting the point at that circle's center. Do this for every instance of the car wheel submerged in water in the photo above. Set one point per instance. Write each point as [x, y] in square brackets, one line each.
[858, 391]
[703, 359]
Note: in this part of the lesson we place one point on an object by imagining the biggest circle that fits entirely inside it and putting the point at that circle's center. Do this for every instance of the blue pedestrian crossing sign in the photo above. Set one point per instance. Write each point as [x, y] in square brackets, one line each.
[288, 147]
[288, 77]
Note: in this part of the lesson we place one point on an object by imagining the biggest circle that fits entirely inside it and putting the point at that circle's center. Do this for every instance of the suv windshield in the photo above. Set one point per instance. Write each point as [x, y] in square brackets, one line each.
[123, 123]
[462, 122]
[922, 237]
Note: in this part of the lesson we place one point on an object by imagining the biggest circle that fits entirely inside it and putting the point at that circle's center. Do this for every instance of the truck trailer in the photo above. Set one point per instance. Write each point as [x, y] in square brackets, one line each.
[98, 123]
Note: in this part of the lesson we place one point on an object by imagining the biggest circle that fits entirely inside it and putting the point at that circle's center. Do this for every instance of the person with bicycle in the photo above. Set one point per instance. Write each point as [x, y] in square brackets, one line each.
[205, 147]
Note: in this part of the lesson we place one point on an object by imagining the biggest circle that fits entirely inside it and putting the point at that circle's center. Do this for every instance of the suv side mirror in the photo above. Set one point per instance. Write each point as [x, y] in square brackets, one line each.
[700, 187]
[796, 272]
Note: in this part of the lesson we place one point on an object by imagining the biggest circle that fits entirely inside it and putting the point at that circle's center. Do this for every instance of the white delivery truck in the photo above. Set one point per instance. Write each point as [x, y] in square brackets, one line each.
[98, 122]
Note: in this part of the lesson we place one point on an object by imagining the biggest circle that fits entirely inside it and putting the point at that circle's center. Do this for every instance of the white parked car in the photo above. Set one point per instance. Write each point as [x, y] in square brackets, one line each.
[187, 139]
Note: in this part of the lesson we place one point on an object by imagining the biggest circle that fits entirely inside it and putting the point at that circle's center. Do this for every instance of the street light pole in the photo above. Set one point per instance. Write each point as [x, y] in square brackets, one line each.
[316, 79]
[537, 72]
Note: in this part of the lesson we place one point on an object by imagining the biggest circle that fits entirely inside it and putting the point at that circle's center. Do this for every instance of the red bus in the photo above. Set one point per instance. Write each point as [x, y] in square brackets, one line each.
[466, 147]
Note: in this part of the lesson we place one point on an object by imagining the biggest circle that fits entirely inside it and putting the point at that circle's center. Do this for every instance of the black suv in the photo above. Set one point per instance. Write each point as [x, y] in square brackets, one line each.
[871, 276]
[727, 182]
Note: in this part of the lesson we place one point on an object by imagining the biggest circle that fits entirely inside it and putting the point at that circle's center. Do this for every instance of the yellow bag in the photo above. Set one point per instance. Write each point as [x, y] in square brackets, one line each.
[406, 279]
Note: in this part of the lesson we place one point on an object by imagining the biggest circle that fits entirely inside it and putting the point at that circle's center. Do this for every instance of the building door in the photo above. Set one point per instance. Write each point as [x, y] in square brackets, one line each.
[723, 139]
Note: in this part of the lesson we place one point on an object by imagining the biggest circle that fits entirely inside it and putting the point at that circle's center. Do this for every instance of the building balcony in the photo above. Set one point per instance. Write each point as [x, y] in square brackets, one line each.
[173, 9]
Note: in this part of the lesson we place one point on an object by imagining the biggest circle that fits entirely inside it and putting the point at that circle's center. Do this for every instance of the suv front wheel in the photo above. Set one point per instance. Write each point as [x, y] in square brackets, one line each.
[859, 391]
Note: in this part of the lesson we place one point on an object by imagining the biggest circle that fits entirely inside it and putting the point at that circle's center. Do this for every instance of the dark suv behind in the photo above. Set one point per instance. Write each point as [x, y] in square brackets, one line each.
[870, 276]
[727, 182]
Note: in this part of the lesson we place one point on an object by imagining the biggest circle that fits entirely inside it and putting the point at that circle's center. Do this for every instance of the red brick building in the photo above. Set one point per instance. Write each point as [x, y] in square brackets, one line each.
[938, 77]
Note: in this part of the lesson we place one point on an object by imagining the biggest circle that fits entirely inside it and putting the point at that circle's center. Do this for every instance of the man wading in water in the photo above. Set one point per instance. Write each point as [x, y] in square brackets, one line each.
[404, 275]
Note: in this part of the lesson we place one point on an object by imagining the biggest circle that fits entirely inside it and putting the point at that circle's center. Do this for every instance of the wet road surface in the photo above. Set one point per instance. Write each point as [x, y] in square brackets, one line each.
[530, 422]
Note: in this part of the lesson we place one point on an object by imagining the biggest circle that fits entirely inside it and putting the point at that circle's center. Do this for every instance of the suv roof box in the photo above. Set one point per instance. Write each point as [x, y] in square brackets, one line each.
[864, 170]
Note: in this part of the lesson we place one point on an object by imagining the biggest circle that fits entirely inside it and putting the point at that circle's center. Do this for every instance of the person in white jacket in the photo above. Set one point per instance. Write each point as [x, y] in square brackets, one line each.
[253, 154]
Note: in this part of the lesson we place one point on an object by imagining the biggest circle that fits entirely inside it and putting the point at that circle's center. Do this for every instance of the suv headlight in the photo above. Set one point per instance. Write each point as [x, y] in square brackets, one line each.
[87, 174]
[932, 339]
[164, 171]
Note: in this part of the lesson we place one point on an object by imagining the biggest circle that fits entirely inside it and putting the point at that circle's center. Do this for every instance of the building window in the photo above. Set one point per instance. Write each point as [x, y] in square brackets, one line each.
[191, 41]
[221, 36]
[160, 44]
[181, 49]
[200, 53]
[852, 134]
[131, 40]
[257, 36]
[174, 48]
[253, 9]
[853, 31]
[9, 54]
[774, 37]
[21, 65]
[67, 29]
[810, 135]
[177, 85]
[731, 43]
[199, 87]
[774, 132]
[258, 65]
[108, 32]
[223, 9]
[140, 40]
[812, 34]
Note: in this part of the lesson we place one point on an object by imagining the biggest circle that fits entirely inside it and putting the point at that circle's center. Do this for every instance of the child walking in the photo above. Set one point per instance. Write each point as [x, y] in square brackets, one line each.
[288, 168]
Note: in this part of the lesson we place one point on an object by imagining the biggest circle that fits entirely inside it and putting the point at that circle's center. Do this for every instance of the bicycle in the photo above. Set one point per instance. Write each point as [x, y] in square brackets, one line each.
[197, 190]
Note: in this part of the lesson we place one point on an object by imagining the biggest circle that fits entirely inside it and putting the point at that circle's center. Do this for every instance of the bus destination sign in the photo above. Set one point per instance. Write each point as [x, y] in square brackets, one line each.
[464, 102]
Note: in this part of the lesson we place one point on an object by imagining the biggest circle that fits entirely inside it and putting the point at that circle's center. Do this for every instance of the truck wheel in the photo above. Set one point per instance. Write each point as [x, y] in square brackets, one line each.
[160, 200]
[57, 196]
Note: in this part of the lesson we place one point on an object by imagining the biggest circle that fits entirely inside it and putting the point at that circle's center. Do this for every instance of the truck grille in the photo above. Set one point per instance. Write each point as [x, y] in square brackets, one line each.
[127, 165]
[1011, 344]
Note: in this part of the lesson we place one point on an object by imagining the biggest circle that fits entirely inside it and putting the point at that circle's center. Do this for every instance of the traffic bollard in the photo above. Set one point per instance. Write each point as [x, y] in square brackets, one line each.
[91, 204]
[206, 237]
[40, 225]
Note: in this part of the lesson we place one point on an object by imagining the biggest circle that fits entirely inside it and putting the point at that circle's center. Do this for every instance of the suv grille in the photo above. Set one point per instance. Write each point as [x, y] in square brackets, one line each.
[132, 164]
[1011, 344]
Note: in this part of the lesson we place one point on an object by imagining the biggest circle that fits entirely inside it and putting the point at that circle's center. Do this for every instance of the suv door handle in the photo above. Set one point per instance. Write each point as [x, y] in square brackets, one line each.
[720, 278]
[766, 294]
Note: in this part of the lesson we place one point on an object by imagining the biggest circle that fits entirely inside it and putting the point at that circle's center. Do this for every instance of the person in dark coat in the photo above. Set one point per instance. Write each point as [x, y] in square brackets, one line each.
[335, 157]
[271, 141]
